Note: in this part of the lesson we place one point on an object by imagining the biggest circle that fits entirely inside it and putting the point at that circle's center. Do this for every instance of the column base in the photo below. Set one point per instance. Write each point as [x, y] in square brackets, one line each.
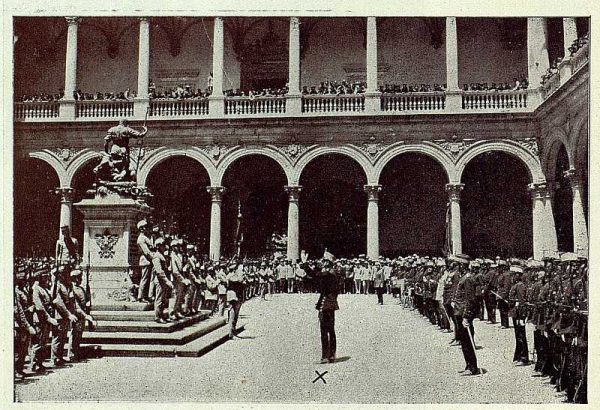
[453, 101]
[373, 101]
[216, 106]
[140, 107]
[293, 104]
[67, 110]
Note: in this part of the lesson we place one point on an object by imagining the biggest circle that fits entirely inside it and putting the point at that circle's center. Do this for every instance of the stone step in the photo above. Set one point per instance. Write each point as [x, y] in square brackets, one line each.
[195, 348]
[130, 316]
[178, 337]
[123, 306]
[148, 325]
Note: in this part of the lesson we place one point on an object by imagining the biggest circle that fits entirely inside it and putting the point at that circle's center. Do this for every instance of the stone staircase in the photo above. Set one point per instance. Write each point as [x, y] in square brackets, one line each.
[129, 330]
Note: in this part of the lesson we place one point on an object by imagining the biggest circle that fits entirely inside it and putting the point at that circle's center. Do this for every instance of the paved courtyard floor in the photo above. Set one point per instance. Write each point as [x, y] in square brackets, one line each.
[386, 354]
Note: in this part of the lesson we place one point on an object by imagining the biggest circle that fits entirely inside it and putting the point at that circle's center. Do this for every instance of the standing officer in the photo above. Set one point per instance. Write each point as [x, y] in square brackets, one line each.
[490, 281]
[23, 315]
[163, 284]
[504, 284]
[145, 246]
[42, 302]
[517, 299]
[67, 248]
[181, 283]
[327, 305]
[65, 307]
[379, 282]
[235, 296]
[464, 307]
[82, 311]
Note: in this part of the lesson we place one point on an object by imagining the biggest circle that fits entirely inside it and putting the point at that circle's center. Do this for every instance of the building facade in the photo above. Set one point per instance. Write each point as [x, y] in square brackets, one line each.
[543, 126]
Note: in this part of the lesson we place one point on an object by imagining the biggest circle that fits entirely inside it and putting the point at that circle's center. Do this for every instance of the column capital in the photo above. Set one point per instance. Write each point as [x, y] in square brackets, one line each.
[65, 193]
[216, 193]
[71, 20]
[372, 192]
[539, 190]
[144, 19]
[454, 191]
[295, 23]
[293, 192]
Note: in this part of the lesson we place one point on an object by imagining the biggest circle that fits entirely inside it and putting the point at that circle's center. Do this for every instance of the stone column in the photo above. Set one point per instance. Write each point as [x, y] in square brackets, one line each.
[580, 234]
[537, 50]
[293, 235]
[569, 34]
[142, 100]
[373, 221]
[66, 206]
[453, 96]
[544, 232]
[216, 197]
[372, 96]
[454, 191]
[67, 106]
[216, 104]
[294, 97]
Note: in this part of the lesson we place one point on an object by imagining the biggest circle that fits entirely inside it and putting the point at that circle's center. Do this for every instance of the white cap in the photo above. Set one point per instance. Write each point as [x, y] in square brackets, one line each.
[141, 224]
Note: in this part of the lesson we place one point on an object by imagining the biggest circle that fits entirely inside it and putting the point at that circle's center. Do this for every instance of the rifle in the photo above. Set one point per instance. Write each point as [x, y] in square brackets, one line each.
[137, 165]
[88, 292]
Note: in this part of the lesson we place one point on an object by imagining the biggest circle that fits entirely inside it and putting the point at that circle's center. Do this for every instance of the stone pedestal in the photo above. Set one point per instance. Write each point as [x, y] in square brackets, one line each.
[109, 244]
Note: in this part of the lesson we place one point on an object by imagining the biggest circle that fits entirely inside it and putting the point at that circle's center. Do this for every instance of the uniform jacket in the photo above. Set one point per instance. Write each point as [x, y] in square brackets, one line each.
[159, 268]
[63, 302]
[517, 294]
[328, 292]
[41, 302]
[465, 297]
[144, 244]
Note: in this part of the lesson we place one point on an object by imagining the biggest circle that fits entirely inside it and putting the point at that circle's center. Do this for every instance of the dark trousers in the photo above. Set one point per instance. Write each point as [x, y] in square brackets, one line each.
[503, 307]
[521, 349]
[328, 341]
[450, 311]
[60, 335]
[467, 343]
[22, 338]
[490, 306]
[379, 295]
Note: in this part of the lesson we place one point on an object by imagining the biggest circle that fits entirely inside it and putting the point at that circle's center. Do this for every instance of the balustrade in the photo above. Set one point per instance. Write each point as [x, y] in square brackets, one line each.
[498, 100]
[580, 57]
[426, 101]
[254, 105]
[36, 109]
[103, 109]
[178, 108]
[333, 103]
[550, 86]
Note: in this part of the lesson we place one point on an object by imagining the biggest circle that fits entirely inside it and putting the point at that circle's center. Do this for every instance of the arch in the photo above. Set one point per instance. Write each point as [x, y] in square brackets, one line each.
[51, 159]
[426, 148]
[580, 130]
[551, 155]
[240, 152]
[78, 162]
[161, 154]
[531, 162]
[349, 151]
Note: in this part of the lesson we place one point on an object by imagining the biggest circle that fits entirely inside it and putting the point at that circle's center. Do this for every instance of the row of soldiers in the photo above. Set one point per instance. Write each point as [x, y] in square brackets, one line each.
[50, 303]
[549, 297]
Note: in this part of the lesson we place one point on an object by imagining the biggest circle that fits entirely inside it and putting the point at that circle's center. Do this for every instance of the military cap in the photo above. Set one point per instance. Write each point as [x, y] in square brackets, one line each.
[159, 241]
[75, 273]
[516, 268]
[501, 262]
[142, 223]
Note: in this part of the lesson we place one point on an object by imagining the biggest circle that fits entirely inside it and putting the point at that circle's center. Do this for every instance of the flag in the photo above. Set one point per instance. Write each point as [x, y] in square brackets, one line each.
[328, 255]
[448, 242]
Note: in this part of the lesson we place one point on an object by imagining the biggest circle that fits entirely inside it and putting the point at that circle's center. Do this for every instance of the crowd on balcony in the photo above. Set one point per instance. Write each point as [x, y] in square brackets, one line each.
[180, 92]
[412, 88]
[336, 88]
[41, 97]
[578, 44]
[515, 85]
[251, 94]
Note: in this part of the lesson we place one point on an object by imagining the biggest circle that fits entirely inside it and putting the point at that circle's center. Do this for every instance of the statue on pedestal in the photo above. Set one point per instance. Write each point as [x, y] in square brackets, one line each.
[114, 173]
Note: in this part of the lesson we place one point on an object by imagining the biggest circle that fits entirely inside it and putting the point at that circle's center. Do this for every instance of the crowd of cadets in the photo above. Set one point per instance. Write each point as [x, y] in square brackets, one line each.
[549, 297]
